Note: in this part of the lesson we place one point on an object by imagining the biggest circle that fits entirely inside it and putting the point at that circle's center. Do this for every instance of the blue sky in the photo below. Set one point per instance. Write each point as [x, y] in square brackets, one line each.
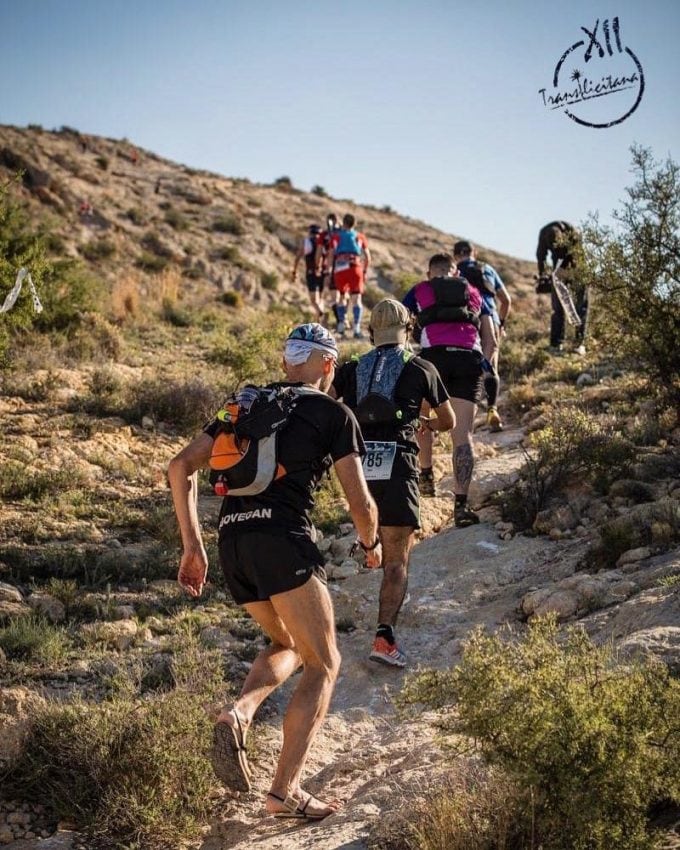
[431, 107]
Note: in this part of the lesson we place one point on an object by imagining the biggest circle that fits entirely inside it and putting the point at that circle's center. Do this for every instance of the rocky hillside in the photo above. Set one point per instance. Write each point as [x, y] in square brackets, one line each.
[110, 676]
[125, 210]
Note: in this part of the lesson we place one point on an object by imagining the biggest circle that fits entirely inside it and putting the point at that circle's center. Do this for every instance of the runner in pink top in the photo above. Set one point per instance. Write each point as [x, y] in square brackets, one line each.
[458, 338]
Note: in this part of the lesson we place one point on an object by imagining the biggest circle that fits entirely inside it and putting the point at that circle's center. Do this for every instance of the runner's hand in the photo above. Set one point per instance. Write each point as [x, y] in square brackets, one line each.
[374, 558]
[193, 569]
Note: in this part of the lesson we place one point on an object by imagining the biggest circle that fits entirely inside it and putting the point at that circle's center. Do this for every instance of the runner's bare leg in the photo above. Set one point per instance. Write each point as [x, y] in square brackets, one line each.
[396, 543]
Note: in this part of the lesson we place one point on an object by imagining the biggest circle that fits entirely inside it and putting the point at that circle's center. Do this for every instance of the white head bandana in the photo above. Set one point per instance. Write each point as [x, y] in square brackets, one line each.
[297, 351]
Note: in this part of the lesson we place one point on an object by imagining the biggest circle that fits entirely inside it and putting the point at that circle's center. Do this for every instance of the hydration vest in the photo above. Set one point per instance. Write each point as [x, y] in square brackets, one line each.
[451, 303]
[377, 375]
[245, 457]
[348, 243]
[473, 272]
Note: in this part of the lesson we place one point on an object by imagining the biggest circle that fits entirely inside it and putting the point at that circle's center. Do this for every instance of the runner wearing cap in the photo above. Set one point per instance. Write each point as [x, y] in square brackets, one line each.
[307, 250]
[275, 571]
[492, 289]
[386, 388]
[457, 337]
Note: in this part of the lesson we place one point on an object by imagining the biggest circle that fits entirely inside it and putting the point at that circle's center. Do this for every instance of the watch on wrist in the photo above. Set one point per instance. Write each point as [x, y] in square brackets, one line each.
[370, 548]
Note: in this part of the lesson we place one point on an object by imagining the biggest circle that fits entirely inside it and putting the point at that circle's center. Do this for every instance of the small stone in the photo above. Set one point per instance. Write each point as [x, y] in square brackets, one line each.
[124, 612]
[349, 567]
[585, 379]
[346, 528]
[9, 593]
[563, 603]
[6, 835]
[47, 605]
[147, 423]
[555, 534]
[114, 543]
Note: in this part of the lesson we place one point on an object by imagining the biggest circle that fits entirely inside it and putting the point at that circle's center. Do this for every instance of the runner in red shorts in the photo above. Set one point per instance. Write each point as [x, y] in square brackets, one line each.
[350, 259]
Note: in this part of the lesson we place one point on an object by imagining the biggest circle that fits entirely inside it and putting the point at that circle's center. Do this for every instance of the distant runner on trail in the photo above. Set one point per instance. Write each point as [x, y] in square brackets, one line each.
[457, 336]
[385, 389]
[307, 251]
[562, 241]
[349, 259]
[492, 288]
[323, 256]
[270, 563]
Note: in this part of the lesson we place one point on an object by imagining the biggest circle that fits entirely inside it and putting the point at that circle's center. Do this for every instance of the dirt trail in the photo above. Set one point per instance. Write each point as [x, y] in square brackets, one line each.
[364, 754]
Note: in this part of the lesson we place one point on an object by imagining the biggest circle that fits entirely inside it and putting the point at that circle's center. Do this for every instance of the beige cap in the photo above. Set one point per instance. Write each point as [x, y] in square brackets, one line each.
[389, 322]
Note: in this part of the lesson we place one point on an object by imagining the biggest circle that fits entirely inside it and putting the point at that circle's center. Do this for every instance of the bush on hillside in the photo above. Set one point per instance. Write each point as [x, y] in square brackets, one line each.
[228, 223]
[590, 744]
[633, 269]
[130, 771]
[571, 444]
[184, 405]
[252, 354]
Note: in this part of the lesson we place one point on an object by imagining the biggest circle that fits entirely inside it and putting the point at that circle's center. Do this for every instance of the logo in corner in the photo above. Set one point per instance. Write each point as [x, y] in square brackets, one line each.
[595, 85]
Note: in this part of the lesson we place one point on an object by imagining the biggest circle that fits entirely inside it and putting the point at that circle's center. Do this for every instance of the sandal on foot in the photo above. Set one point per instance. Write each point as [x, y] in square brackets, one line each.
[229, 757]
[295, 809]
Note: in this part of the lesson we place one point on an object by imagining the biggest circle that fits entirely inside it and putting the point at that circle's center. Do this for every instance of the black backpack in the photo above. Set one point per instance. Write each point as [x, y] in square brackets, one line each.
[377, 375]
[244, 459]
[451, 303]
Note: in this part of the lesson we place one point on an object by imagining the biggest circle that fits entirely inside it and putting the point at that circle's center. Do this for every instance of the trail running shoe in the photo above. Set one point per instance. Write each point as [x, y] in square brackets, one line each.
[387, 653]
[426, 484]
[358, 334]
[341, 330]
[493, 420]
[463, 516]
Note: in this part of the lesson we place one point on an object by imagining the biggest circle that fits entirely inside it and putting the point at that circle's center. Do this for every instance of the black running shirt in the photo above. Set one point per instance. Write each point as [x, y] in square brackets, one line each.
[321, 431]
[418, 382]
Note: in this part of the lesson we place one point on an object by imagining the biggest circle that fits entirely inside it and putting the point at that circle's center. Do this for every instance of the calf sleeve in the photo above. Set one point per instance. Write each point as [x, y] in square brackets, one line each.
[491, 385]
[357, 310]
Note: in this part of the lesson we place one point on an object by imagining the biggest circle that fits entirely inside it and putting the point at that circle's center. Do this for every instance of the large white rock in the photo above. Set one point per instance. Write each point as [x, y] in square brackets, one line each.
[632, 556]
[118, 635]
[17, 707]
[9, 593]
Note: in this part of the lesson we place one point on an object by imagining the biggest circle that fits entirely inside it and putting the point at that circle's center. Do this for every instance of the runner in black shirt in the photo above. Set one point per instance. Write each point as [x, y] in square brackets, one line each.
[274, 570]
[389, 426]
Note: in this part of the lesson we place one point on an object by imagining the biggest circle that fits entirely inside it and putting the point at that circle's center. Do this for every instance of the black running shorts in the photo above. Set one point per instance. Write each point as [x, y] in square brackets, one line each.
[259, 564]
[314, 282]
[461, 371]
[398, 501]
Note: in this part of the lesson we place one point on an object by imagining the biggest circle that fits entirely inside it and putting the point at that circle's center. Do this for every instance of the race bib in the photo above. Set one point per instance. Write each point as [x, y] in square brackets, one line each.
[342, 266]
[378, 460]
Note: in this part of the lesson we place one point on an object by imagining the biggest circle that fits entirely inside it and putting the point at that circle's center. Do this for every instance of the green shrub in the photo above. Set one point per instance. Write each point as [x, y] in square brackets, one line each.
[98, 249]
[320, 191]
[34, 639]
[176, 220]
[520, 359]
[153, 243]
[654, 524]
[136, 216]
[403, 282]
[95, 339]
[185, 405]
[103, 162]
[252, 354]
[283, 183]
[19, 482]
[269, 223]
[571, 443]
[474, 808]
[329, 506]
[130, 772]
[70, 295]
[228, 223]
[637, 262]
[269, 281]
[175, 315]
[228, 253]
[590, 743]
[151, 263]
[232, 299]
